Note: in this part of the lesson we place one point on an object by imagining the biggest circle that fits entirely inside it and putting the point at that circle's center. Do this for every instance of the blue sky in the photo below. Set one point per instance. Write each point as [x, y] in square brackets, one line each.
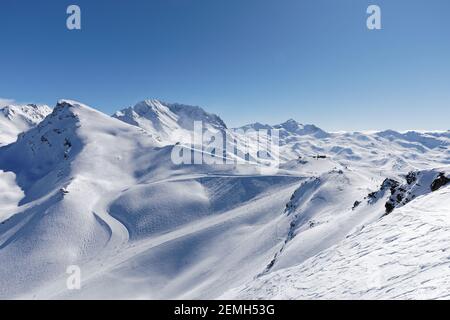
[246, 60]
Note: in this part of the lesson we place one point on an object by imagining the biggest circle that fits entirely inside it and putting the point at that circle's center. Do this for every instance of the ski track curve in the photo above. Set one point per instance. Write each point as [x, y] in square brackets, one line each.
[119, 234]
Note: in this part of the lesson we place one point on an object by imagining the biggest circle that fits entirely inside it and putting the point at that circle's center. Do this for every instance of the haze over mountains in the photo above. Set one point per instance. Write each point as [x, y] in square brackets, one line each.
[79, 187]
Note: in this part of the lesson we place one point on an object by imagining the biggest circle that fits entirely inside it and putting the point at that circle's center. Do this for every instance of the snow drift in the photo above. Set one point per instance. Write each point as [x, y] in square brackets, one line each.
[81, 188]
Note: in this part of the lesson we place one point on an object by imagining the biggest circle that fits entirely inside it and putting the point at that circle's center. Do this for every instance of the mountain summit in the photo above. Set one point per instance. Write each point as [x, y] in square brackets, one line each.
[293, 127]
[171, 122]
[290, 128]
[83, 188]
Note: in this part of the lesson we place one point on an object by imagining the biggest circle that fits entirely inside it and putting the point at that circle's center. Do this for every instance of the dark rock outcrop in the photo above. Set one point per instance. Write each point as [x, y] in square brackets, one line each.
[439, 182]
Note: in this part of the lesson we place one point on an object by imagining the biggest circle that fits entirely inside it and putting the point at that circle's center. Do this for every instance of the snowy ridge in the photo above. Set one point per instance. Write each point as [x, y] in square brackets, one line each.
[172, 123]
[15, 119]
[65, 168]
[289, 128]
[402, 256]
[80, 187]
[387, 151]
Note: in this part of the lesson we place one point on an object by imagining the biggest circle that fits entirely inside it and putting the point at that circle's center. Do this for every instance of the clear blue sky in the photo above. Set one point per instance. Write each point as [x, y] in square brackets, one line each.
[246, 60]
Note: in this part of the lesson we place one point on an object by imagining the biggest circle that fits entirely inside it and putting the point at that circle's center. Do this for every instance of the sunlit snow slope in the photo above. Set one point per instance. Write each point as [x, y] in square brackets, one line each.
[15, 119]
[82, 188]
[402, 256]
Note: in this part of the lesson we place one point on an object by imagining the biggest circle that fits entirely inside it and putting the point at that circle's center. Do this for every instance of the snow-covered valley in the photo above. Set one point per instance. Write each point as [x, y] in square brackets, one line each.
[79, 187]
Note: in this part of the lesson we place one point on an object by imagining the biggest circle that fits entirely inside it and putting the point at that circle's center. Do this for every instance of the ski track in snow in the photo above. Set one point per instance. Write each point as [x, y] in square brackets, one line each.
[320, 246]
[119, 251]
[119, 233]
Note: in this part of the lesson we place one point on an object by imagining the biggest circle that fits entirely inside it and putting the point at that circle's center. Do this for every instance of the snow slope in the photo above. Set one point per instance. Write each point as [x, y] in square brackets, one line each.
[64, 167]
[82, 188]
[171, 123]
[402, 256]
[290, 128]
[15, 119]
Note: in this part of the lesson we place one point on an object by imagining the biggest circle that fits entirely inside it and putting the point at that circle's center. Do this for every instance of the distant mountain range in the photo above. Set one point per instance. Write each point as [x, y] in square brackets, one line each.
[79, 187]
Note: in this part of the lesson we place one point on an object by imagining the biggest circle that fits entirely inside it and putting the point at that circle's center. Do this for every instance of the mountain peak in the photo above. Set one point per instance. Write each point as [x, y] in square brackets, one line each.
[291, 125]
[291, 121]
[32, 112]
[294, 127]
[170, 121]
[149, 105]
[72, 127]
[256, 126]
[65, 105]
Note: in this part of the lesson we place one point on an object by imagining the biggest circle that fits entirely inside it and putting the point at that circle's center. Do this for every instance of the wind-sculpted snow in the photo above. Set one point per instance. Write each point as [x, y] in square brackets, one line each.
[402, 256]
[181, 201]
[64, 166]
[81, 188]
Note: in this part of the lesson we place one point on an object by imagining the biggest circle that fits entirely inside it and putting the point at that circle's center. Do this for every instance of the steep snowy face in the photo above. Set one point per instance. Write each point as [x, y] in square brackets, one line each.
[292, 127]
[57, 141]
[172, 123]
[401, 256]
[58, 174]
[15, 119]
[418, 183]
[102, 192]
[49, 146]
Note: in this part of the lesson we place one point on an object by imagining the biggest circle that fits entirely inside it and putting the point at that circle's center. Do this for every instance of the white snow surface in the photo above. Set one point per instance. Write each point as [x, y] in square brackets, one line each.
[82, 188]
[15, 119]
[169, 122]
[402, 256]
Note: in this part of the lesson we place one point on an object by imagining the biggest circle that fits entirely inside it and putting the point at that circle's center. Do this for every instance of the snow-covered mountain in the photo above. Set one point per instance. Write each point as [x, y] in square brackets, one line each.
[377, 152]
[56, 174]
[290, 128]
[293, 128]
[15, 119]
[402, 256]
[170, 122]
[82, 188]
